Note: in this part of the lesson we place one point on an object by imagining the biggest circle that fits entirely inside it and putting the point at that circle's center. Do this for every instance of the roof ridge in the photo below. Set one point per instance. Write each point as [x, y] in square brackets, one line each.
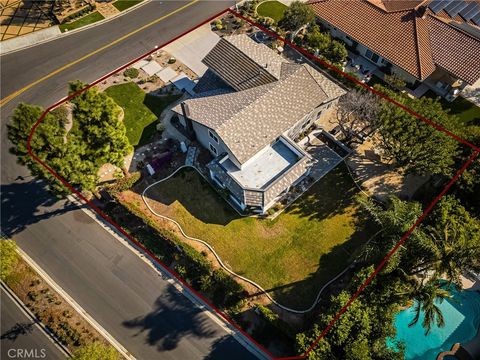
[267, 69]
[449, 24]
[271, 86]
[417, 44]
[304, 66]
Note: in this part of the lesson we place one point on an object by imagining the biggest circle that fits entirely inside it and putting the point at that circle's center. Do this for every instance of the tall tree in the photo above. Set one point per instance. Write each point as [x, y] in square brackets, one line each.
[414, 145]
[47, 142]
[99, 126]
[395, 220]
[456, 237]
[361, 332]
[297, 15]
[318, 40]
[356, 114]
[330, 50]
[427, 296]
[98, 136]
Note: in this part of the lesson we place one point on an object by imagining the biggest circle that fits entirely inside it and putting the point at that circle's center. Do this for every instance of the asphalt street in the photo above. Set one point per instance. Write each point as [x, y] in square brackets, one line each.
[141, 310]
[19, 335]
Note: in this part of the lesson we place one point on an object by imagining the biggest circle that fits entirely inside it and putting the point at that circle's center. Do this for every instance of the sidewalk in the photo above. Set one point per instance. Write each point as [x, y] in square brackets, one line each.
[52, 33]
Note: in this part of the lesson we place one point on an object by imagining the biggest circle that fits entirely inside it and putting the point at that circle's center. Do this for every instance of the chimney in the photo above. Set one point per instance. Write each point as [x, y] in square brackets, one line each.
[188, 121]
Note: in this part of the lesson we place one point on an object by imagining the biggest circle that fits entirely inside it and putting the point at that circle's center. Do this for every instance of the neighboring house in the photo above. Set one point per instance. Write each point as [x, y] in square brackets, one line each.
[251, 123]
[436, 42]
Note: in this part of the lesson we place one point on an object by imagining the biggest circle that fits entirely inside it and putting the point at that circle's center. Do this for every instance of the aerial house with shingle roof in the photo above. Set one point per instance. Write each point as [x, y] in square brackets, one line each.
[434, 43]
[249, 125]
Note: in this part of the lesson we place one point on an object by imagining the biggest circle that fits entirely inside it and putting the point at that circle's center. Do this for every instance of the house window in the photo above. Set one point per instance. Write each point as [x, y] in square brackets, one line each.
[212, 136]
[372, 56]
[213, 149]
[348, 37]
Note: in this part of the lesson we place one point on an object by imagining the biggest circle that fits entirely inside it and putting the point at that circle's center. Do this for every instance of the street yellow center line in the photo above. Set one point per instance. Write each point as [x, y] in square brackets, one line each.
[10, 97]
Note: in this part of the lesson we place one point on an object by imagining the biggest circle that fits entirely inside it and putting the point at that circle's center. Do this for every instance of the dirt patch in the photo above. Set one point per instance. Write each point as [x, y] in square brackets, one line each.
[69, 327]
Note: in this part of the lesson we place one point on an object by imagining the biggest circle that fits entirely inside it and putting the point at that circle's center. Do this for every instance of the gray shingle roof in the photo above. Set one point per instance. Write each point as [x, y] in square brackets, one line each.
[242, 63]
[249, 120]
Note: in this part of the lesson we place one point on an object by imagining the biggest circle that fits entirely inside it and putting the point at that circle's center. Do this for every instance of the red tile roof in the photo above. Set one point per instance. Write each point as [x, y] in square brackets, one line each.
[404, 34]
[454, 50]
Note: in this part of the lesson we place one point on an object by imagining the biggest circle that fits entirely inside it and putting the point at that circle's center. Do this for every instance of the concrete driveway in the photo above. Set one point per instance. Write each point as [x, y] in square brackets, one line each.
[191, 48]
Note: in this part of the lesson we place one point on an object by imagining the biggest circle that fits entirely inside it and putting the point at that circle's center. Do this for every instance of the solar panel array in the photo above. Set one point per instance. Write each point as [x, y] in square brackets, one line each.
[468, 10]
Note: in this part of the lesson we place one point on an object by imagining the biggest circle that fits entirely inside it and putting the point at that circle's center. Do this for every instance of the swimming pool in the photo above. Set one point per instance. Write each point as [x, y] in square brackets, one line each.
[462, 321]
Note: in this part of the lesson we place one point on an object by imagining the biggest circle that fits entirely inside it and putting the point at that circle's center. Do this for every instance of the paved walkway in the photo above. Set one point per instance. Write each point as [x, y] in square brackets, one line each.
[30, 39]
[106, 9]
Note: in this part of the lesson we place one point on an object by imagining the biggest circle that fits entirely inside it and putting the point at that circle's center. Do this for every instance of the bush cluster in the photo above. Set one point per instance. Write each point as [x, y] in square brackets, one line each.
[89, 8]
[125, 183]
[132, 73]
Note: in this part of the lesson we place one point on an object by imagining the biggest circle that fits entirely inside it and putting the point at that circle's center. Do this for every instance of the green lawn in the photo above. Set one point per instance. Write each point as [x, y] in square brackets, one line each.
[468, 112]
[272, 9]
[125, 4]
[293, 255]
[88, 19]
[141, 110]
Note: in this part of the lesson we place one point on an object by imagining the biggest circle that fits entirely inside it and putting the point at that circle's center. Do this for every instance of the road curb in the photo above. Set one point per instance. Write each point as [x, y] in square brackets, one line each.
[66, 33]
[124, 352]
[25, 310]
[152, 263]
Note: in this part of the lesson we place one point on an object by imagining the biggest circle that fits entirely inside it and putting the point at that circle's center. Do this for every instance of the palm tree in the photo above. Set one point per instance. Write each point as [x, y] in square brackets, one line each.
[454, 249]
[427, 296]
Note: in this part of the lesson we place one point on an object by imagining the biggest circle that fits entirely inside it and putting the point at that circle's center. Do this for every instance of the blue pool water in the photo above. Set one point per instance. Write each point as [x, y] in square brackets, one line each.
[462, 321]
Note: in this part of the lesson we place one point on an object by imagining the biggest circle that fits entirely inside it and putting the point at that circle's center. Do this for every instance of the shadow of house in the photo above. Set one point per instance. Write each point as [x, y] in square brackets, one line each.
[173, 319]
[330, 196]
[196, 195]
[26, 203]
[156, 104]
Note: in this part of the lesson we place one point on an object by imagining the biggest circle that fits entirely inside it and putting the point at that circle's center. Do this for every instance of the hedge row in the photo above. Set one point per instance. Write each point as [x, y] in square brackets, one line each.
[124, 183]
[192, 266]
[89, 8]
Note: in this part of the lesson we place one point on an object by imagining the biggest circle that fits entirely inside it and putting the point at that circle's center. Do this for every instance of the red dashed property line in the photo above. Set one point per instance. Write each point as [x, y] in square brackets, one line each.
[358, 82]
[172, 272]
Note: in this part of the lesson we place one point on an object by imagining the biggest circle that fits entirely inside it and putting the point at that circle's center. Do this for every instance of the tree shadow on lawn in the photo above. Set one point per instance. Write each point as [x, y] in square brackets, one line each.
[173, 318]
[329, 196]
[300, 295]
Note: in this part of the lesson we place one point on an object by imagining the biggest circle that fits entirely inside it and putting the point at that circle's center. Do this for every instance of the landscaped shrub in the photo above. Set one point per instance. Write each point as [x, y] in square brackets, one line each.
[80, 13]
[272, 328]
[125, 183]
[394, 81]
[131, 73]
[227, 293]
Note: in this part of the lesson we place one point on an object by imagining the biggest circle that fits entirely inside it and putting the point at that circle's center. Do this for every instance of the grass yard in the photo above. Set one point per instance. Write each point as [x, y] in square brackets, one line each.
[468, 112]
[88, 19]
[125, 4]
[272, 9]
[291, 256]
[141, 110]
